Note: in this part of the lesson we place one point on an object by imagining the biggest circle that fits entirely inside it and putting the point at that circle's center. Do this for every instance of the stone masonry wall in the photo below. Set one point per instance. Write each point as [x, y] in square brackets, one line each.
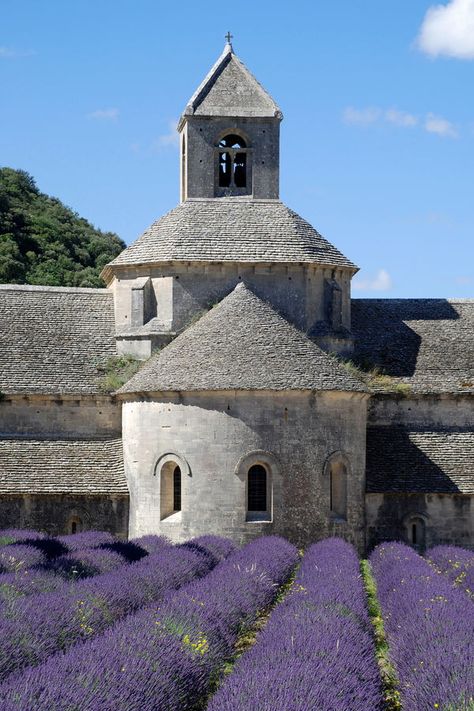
[54, 514]
[202, 135]
[79, 417]
[211, 433]
[183, 291]
[448, 518]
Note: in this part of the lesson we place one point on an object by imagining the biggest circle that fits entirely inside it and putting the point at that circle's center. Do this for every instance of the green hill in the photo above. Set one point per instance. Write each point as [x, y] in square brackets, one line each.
[44, 242]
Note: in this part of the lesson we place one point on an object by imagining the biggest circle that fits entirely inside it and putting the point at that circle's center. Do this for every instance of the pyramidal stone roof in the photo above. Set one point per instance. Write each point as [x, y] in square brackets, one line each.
[231, 90]
[241, 344]
[231, 230]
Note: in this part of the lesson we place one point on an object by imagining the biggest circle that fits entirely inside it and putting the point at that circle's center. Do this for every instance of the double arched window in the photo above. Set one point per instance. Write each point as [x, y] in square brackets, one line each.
[232, 168]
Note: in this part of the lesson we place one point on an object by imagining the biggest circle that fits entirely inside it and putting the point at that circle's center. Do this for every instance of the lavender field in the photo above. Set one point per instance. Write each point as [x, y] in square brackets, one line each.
[90, 623]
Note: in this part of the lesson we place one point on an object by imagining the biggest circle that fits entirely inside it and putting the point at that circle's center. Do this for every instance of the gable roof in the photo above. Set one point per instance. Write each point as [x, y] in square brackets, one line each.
[52, 338]
[406, 460]
[229, 89]
[427, 343]
[61, 466]
[235, 230]
[241, 344]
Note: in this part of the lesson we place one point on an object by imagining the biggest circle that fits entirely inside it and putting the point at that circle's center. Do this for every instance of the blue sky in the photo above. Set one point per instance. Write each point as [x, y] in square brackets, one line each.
[377, 143]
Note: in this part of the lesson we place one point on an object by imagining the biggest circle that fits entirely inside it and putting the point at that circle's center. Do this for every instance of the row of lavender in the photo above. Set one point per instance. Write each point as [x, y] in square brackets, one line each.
[39, 625]
[31, 562]
[317, 650]
[163, 656]
[429, 623]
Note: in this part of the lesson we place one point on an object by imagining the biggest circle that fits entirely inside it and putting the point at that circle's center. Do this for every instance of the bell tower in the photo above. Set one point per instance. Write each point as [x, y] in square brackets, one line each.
[230, 136]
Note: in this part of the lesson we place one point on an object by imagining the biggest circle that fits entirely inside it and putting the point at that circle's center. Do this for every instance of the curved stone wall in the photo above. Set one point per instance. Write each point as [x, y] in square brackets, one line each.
[214, 439]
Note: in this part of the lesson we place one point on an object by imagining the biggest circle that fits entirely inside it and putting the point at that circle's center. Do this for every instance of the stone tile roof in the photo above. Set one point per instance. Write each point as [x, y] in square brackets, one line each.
[235, 230]
[428, 343]
[241, 344]
[52, 338]
[403, 460]
[61, 466]
[229, 89]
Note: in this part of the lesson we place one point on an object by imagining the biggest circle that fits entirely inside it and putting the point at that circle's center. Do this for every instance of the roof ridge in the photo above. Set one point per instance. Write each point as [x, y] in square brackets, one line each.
[55, 289]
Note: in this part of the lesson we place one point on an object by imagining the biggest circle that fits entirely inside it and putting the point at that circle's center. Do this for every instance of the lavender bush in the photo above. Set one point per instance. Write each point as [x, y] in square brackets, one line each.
[27, 582]
[20, 556]
[457, 564]
[430, 630]
[85, 539]
[39, 625]
[86, 563]
[18, 535]
[161, 657]
[317, 650]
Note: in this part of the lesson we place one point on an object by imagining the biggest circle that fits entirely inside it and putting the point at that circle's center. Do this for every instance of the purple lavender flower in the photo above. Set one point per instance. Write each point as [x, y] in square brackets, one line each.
[317, 649]
[457, 564]
[430, 630]
[163, 656]
[39, 625]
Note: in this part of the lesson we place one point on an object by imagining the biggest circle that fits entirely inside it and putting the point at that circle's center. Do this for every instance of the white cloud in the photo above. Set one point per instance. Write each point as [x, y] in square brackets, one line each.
[448, 30]
[400, 118]
[104, 114]
[167, 139]
[464, 280]
[440, 126]
[8, 53]
[381, 282]
[362, 117]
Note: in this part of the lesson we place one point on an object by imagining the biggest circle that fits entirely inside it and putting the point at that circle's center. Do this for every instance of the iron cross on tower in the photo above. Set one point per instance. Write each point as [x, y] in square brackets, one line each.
[229, 37]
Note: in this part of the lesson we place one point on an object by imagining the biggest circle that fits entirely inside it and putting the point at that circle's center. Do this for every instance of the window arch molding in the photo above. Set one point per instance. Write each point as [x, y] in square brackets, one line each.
[171, 457]
[233, 131]
[171, 470]
[272, 466]
[337, 472]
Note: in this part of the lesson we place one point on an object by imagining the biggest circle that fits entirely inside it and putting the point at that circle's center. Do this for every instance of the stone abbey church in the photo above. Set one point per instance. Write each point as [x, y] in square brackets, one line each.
[246, 416]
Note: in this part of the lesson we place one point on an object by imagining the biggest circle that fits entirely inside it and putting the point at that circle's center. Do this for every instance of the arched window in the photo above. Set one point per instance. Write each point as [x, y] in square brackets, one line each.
[232, 162]
[336, 469]
[170, 489]
[75, 525]
[416, 530]
[257, 489]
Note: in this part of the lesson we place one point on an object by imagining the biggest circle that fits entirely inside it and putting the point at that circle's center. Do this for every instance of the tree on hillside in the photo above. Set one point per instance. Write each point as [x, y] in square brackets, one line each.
[44, 242]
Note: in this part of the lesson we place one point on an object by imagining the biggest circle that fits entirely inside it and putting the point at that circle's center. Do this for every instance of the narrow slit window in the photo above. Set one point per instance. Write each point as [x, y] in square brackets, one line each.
[177, 489]
[338, 490]
[257, 488]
